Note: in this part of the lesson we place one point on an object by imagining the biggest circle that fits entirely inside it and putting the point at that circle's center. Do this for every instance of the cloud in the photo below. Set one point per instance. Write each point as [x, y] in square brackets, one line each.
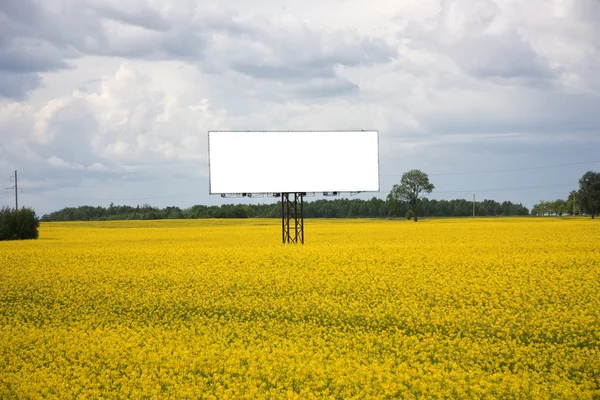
[99, 167]
[301, 58]
[131, 128]
[277, 47]
[17, 86]
[139, 122]
[42, 133]
[483, 42]
[22, 55]
[124, 91]
[58, 162]
[36, 37]
[136, 13]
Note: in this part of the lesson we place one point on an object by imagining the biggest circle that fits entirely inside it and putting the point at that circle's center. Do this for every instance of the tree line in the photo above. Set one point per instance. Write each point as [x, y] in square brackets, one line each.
[406, 199]
[322, 208]
[585, 201]
[415, 184]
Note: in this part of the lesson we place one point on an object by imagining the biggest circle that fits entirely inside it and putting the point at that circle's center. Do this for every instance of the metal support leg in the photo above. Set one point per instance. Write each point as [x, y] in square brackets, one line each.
[292, 210]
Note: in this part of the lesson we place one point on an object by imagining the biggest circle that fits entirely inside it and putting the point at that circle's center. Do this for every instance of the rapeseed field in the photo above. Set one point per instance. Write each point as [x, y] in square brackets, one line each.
[451, 308]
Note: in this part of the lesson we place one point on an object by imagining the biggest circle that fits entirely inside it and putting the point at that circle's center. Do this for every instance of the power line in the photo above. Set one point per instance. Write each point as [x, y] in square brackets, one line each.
[503, 189]
[196, 194]
[505, 170]
[129, 184]
[517, 169]
[116, 198]
[433, 174]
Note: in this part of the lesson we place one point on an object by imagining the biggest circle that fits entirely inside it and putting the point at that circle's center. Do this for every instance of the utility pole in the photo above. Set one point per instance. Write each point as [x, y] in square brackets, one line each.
[473, 205]
[16, 187]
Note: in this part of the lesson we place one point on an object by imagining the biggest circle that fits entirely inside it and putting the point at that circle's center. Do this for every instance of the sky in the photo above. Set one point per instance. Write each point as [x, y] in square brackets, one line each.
[111, 101]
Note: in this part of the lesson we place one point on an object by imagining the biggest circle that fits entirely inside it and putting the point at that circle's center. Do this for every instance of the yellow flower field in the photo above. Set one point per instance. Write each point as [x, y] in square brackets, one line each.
[459, 308]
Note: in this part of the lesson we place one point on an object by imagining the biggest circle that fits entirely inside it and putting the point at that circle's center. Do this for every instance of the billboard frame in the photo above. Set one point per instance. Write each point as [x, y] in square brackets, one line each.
[332, 192]
[292, 202]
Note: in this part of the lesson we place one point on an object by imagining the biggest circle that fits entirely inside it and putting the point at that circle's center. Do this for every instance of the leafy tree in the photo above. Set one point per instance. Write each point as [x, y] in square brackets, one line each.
[541, 208]
[18, 224]
[589, 193]
[559, 207]
[395, 208]
[462, 208]
[509, 208]
[413, 186]
[572, 207]
[172, 213]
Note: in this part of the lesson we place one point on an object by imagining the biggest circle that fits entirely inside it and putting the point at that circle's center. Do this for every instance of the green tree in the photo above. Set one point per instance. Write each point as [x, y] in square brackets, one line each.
[541, 208]
[588, 195]
[18, 224]
[572, 207]
[395, 208]
[558, 207]
[413, 186]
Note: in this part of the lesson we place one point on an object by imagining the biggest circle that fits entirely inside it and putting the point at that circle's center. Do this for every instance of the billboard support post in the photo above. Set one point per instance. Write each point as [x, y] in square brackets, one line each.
[292, 214]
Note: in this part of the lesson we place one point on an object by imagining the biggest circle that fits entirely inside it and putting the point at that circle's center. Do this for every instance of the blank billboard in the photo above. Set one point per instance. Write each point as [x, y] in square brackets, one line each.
[293, 161]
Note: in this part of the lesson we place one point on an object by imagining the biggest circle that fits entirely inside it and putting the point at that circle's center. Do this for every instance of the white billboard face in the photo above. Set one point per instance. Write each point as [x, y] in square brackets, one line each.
[298, 161]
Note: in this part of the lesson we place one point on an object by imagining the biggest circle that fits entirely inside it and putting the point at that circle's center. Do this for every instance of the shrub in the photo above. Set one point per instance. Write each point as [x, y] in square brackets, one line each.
[18, 224]
[409, 215]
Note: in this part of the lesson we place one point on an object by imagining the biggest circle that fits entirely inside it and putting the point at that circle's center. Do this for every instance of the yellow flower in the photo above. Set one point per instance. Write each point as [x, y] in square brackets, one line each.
[454, 308]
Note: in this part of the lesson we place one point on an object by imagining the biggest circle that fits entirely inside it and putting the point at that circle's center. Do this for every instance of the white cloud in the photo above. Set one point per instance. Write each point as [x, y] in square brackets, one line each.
[42, 133]
[98, 167]
[58, 162]
[139, 121]
[484, 43]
